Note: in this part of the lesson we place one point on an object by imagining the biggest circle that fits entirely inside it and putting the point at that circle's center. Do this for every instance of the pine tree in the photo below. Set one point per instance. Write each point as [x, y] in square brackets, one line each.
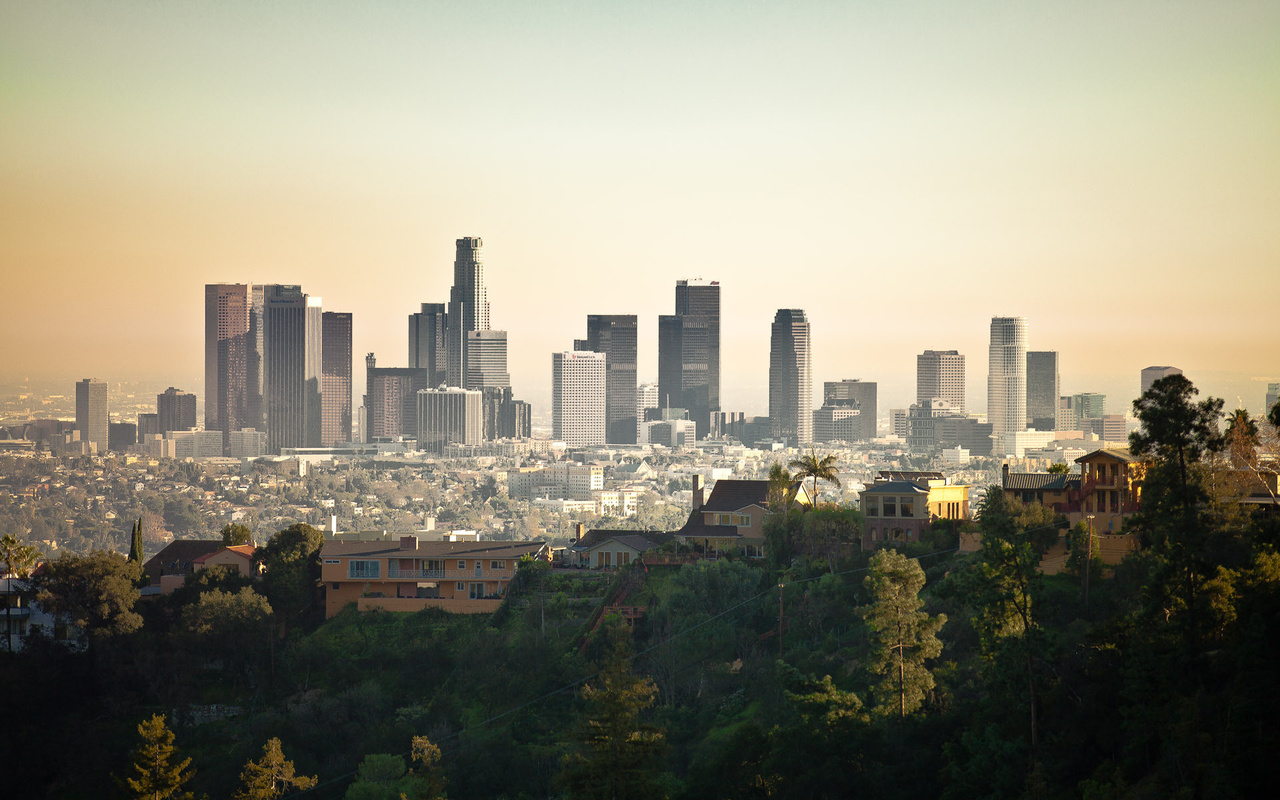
[271, 776]
[902, 635]
[156, 776]
[135, 549]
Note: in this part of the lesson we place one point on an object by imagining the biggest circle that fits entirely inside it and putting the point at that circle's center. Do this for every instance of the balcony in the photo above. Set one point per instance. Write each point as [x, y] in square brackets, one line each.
[397, 574]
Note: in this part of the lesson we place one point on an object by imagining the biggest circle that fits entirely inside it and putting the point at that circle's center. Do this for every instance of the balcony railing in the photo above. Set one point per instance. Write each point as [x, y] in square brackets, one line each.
[414, 574]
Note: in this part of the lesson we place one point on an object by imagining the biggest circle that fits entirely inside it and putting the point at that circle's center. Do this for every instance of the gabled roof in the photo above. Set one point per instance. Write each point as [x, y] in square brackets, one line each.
[594, 537]
[1117, 453]
[731, 494]
[384, 549]
[245, 551]
[177, 557]
[1040, 481]
[697, 528]
[895, 487]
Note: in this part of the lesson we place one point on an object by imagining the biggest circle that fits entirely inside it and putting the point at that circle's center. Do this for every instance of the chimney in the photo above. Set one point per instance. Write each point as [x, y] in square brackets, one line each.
[408, 542]
[579, 530]
[697, 492]
[1004, 475]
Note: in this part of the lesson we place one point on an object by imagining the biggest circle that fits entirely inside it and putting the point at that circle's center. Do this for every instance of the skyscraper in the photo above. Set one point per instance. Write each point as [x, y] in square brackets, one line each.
[91, 413]
[427, 342]
[176, 410]
[1273, 397]
[791, 378]
[1007, 380]
[615, 336]
[486, 360]
[391, 400]
[1043, 383]
[646, 398]
[1152, 374]
[578, 398]
[689, 353]
[940, 374]
[857, 394]
[335, 378]
[233, 369]
[468, 308]
[448, 416]
[292, 360]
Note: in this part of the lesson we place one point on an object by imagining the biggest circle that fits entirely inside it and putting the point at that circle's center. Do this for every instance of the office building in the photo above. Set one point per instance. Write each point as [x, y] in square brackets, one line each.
[468, 308]
[391, 400]
[504, 416]
[449, 416]
[176, 410]
[148, 424]
[121, 436]
[233, 356]
[646, 398]
[427, 337]
[791, 378]
[1273, 397]
[578, 398]
[1089, 405]
[292, 361]
[1152, 374]
[486, 360]
[940, 374]
[1043, 382]
[335, 378]
[689, 353]
[859, 394]
[837, 424]
[922, 424]
[898, 424]
[91, 413]
[615, 336]
[1007, 378]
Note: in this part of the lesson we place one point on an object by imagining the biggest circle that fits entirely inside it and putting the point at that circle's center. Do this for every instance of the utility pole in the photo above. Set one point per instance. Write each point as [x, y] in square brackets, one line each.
[780, 619]
[1088, 563]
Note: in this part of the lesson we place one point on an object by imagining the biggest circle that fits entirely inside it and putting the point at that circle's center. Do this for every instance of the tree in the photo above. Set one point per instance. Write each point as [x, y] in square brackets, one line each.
[902, 635]
[819, 469]
[18, 556]
[155, 773]
[1242, 440]
[271, 776]
[1060, 469]
[95, 592]
[234, 533]
[233, 627]
[782, 489]
[385, 777]
[135, 546]
[291, 562]
[617, 755]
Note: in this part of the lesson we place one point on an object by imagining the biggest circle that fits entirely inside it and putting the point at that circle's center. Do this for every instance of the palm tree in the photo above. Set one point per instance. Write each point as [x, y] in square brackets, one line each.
[819, 469]
[782, 489]
[18, 558]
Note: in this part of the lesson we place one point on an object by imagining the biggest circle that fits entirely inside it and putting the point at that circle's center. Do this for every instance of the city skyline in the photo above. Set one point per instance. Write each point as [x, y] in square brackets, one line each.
[1002, 157]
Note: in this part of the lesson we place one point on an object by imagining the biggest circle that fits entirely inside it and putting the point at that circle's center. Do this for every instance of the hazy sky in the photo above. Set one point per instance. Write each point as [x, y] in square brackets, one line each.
[900, 170]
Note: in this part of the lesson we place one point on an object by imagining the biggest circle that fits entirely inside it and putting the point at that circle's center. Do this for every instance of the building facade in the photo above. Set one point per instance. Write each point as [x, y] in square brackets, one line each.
[292, 367]
[233, 356]
[940, 374]
[391, 400]
[176, 410]
[1043, 389]
[615, 336]
[487, 360]
[854, 393]
[1007, 378]
[449, 416]
[791, 378]
[1152, 374]
[578, 398]
[689, 353]
[427, 342]
[468, 308]
[335, 378]
[91, 413]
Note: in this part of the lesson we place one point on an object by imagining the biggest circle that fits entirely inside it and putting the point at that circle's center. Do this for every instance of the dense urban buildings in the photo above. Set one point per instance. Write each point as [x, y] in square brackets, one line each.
[391, 400]
[940, 374]
[578, 398]
[468, 308]
[615, 336]
[1152, 374]
[233, 347]
[791, 378]
[91, 413]
[1043, 381]
[689, 353]
[427, 342]
[176, 410]
[292, 360]
[1007, 378]
[448, 416]
[854, 394]
[335, 378]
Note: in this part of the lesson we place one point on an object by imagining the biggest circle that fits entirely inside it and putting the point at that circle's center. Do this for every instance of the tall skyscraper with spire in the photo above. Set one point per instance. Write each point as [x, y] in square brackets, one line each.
[791, 378]
[689, 353]
[1007, 381]
[468, 308]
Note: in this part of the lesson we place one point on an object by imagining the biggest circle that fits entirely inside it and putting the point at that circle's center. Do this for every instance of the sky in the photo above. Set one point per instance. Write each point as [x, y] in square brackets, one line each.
[903, 171]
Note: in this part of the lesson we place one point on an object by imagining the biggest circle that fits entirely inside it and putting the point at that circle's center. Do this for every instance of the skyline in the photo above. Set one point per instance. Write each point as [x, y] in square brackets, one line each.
[902, 174]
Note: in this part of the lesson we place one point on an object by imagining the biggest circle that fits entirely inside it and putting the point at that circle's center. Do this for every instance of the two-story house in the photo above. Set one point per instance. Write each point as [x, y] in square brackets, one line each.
[901, 510]
[408, 575]
[732, 517]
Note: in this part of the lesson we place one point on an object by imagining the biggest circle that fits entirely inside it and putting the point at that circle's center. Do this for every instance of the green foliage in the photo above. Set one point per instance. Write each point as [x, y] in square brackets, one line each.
[902, 636]
[234, 533]
[17, 556]
[271, 776]
[1060, 469]
[94, 592]
[135, 546]
[818, 469]
[154, 772]
[291, 564]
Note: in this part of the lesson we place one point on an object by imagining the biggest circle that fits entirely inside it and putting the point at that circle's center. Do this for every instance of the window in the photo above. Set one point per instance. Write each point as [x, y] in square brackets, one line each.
[873, 506]
[891, 507]
[364, 570]
[477, 591]
[497, 565]
[736, 520]
[908, 507]
[462, 587]
[462, 564]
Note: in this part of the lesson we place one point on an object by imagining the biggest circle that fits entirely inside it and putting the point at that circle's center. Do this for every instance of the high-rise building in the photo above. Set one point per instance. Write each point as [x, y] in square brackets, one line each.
[448, 416]
[899, 423]
[1007, 379]
[335, 378]
[292, 361]
[578, 398]
[859, 394]
[468, 308]
[791, 378]
[940, 374]
[91, 413]
[487, 360]
[689, 353]
[615, 336]
[504, 416]
[646, 398]
[1273, 397]
[1043, 385]
[391, 400]
[1152, 374]
[1090, 405]
[233, 348]
[427, 336]
[121, 436]
[176, 410]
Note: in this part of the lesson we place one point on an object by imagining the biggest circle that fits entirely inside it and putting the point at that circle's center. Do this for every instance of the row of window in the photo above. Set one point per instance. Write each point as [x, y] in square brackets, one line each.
[736, 520]
[889, 506]
[358, 569]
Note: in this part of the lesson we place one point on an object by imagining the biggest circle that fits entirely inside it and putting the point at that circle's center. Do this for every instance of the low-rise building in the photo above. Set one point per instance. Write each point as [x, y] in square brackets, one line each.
[900, 507]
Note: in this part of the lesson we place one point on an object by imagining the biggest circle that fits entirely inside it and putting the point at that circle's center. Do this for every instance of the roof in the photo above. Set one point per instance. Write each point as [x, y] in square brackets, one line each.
[731, 494]
[245, 551]
[384, 549]
[594, 537]
[908, 475]
[895, 487]
[1118, 453]
[177, 557]
[1042, 481]
[636, 540]
[697, 527]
